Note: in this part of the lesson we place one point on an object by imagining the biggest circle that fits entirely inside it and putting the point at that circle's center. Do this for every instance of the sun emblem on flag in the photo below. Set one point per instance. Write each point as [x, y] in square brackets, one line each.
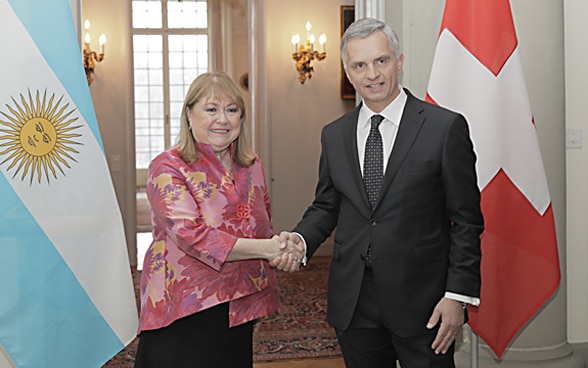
[37, 136]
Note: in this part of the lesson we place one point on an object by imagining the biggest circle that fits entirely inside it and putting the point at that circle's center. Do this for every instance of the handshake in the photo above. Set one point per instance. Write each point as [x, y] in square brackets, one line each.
[290, 254]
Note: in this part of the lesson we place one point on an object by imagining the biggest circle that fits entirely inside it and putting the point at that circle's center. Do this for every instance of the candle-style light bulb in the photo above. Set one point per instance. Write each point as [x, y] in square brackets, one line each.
[102, 42]
[295, 40]
[308, 26]
[323, 40]
[87, 38]
[87, 24]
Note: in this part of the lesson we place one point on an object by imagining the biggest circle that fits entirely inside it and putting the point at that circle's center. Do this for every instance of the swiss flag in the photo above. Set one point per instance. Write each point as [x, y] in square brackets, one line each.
[477, 71]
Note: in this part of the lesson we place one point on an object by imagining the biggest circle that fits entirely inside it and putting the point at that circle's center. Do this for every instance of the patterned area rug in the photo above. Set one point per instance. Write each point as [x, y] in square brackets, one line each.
[300, 330]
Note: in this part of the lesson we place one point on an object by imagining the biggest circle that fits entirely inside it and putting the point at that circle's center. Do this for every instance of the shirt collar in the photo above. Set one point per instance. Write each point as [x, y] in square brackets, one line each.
[392, 112]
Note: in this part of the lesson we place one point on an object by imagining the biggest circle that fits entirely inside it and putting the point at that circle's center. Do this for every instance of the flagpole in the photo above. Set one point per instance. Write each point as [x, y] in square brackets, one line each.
[473, 349]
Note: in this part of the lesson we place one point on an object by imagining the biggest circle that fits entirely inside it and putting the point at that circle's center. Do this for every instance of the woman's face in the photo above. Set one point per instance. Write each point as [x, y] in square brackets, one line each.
[215, 121]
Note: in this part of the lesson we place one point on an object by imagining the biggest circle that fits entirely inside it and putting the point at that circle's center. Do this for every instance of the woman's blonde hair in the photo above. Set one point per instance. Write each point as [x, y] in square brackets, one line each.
[212, 85]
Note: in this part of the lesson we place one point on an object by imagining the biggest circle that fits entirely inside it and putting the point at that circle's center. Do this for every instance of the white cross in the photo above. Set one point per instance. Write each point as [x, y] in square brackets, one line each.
[499, 115]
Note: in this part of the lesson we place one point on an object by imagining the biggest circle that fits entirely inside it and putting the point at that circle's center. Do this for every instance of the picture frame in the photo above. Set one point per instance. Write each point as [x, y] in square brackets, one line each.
[347, 17]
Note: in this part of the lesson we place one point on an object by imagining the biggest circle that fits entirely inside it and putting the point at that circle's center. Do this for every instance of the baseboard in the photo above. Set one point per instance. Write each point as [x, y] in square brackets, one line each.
[581, 349]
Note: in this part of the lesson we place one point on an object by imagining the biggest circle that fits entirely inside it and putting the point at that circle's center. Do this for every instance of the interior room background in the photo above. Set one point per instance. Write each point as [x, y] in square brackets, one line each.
[288, 116]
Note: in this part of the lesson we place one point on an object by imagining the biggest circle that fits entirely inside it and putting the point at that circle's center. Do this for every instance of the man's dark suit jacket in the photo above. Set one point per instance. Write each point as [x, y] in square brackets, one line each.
[424, 230]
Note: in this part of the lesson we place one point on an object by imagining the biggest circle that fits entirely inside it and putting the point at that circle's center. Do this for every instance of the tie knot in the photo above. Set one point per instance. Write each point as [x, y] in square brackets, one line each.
[376, 120]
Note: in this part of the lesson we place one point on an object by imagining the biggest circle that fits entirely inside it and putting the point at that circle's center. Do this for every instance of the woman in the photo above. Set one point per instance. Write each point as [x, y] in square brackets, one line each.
[206, 276]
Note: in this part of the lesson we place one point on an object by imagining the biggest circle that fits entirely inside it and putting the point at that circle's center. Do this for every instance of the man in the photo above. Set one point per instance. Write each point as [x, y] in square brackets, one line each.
[406, 258]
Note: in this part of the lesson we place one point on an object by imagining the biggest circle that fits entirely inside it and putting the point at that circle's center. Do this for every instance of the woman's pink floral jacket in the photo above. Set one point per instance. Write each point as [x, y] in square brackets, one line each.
[198, 212]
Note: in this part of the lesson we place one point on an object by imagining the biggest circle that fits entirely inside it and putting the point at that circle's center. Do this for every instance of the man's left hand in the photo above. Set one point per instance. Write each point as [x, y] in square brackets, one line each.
[450, 314]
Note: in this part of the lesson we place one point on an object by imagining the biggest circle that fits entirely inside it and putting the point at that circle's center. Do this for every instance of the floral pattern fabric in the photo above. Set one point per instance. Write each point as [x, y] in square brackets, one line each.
[198, 211]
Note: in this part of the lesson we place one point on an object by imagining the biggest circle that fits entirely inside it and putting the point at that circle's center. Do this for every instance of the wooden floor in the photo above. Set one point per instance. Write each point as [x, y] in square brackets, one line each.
[303, 363]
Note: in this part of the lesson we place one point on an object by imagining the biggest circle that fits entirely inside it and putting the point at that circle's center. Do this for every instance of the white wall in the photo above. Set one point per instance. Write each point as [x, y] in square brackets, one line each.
[576, 54]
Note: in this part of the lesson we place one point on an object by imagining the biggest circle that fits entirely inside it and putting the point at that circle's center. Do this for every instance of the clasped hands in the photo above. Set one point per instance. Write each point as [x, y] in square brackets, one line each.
[291, 252]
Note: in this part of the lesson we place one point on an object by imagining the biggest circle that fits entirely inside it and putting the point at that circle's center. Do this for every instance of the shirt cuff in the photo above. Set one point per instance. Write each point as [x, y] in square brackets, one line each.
[463, 298]
[305, 259]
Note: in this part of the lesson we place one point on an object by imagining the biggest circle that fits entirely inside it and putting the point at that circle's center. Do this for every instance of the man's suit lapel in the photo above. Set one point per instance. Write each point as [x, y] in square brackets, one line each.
[410, 125]
[350, 142]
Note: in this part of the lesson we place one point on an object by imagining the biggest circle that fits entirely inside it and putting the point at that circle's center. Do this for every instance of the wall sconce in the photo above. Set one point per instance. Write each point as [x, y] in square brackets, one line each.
[304, 55]
[89, 55]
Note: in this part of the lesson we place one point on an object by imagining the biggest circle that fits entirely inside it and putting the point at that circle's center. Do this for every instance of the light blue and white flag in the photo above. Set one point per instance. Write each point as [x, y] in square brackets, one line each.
[66, 293]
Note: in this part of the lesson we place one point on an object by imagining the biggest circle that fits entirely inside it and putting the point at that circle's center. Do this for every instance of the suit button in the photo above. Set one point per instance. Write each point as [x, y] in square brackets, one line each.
[373, 222]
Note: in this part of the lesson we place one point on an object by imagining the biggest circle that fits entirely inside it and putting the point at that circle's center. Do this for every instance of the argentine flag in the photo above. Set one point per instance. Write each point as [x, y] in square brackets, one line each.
[66, 293]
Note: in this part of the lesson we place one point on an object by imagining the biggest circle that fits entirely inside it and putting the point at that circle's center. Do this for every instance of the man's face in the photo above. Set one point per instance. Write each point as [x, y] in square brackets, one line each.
[373, 70]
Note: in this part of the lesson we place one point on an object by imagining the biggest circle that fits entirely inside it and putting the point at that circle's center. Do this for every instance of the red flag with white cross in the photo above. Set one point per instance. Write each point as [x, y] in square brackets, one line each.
[477, 71]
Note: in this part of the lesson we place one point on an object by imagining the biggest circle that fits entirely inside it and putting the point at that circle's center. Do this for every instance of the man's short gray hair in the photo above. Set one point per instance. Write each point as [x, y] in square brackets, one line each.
[364, 28]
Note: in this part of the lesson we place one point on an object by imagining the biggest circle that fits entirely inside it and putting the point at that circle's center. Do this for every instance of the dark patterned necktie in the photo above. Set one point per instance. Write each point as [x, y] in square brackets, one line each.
[373, 162]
